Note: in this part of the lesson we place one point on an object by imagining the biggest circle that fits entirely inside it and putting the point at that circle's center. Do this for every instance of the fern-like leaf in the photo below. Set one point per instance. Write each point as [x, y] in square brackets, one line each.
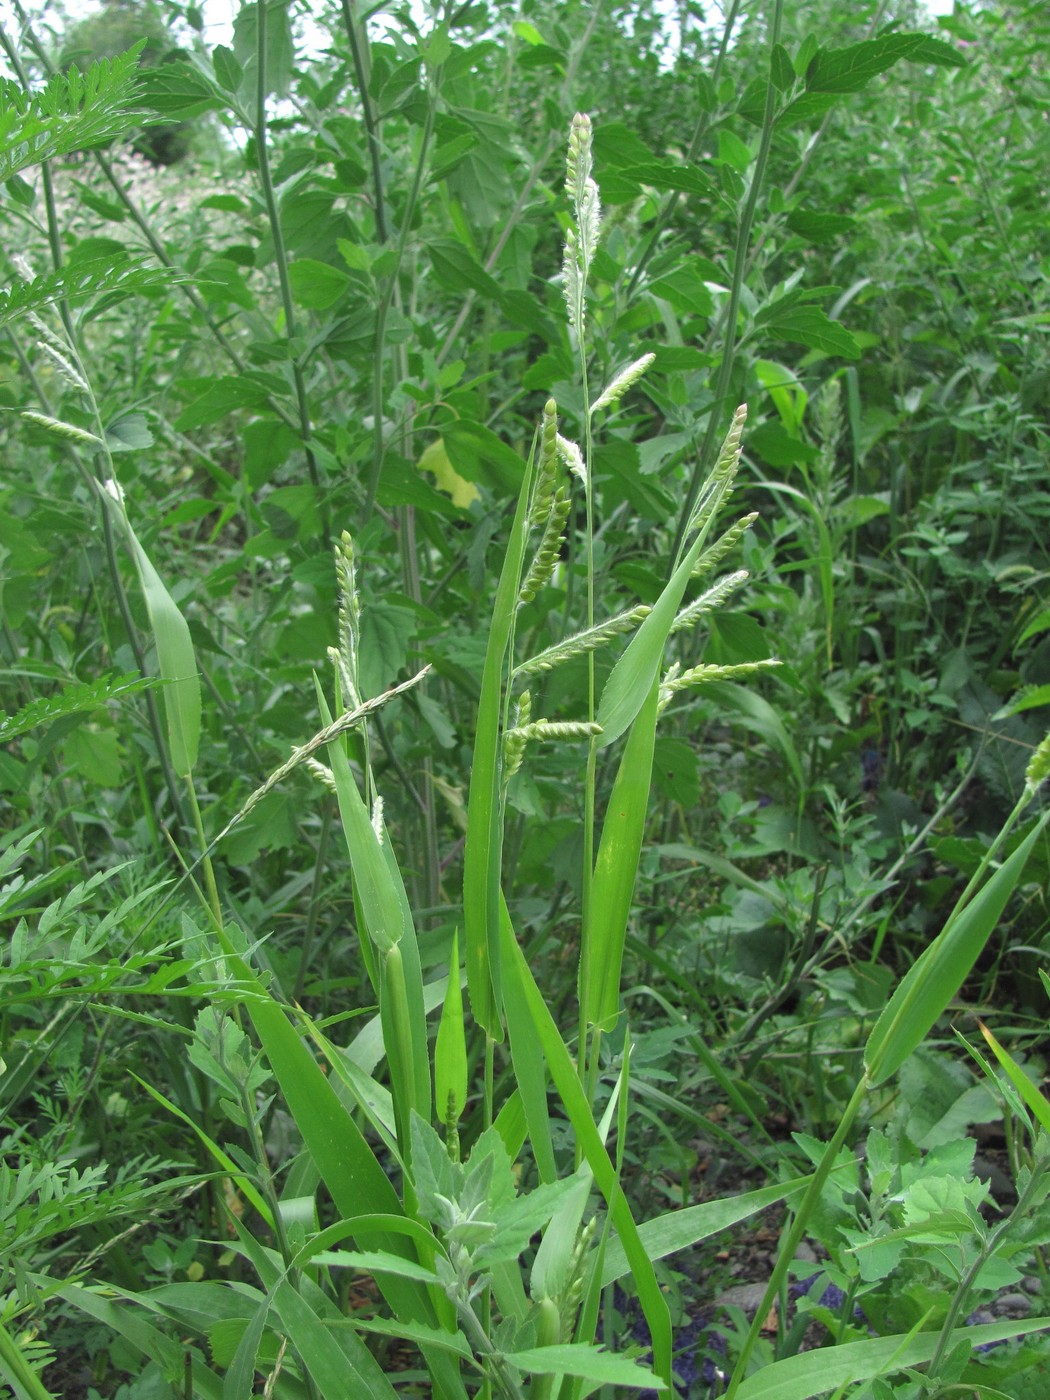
[112, 277]
[73, 700]
[74, 112]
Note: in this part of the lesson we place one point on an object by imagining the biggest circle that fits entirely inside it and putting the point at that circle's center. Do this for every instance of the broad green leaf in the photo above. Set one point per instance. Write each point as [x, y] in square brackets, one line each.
[215, 398]
[316, 285]
[811, 327]
[781, 69]
[670, 175]
[456, 269]
[179, 90]
[228, 72]
[941, 969]
[479, 454]
[129, 433]
[818, 227]
[851, 69]
[524, 30]
[279, 49]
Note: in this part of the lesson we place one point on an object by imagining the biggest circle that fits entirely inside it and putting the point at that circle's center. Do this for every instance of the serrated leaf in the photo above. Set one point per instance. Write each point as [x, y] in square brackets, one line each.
[851, 69]
[811, 327]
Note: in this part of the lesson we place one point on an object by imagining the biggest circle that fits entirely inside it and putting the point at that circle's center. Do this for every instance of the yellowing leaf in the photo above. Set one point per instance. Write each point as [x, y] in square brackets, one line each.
[436, 461]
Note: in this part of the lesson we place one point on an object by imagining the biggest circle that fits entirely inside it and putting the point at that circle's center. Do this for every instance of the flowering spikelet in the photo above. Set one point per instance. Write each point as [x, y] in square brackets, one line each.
[721, 547]
[720, 482]
[323, 774]
[573, 459]
[623, 381]
[578, 161]
[713, 598]
[548, 468]
[59, 350]
[64, 430]
[514, 740]
[590, 222]
[572, 283]
[349, 618]
[581, 242]
[699, 675]
[583, 642]
[550, 546]
[1038, 767]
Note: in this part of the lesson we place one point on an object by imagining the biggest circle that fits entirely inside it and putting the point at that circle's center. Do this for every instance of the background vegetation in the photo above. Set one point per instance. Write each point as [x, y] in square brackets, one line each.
[311, 280]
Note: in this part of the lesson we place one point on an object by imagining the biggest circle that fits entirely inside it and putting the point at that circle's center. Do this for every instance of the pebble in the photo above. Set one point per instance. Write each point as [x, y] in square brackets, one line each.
[1013, 1304]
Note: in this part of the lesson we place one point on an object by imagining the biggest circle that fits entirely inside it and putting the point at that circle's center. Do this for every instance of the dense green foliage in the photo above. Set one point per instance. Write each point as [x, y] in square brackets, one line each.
[309, 406]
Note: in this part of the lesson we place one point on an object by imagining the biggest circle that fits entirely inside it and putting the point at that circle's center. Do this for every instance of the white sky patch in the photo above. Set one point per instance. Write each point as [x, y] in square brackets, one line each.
[53, 16]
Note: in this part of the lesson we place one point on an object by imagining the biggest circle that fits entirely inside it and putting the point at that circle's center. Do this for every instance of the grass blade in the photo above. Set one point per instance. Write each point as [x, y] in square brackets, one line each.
[812, 1373]
[482, 855]
[176, 659]
[616, 869]
[566, 1080]
[941, 969]
[1036, 1101]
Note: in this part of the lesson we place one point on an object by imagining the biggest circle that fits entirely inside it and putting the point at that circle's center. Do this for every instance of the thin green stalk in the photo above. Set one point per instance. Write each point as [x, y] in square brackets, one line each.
[314, 907]
[359, 53]
[795, 1235]
[387, 298]
[743, 240]
[202, 846]
[281, 259]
